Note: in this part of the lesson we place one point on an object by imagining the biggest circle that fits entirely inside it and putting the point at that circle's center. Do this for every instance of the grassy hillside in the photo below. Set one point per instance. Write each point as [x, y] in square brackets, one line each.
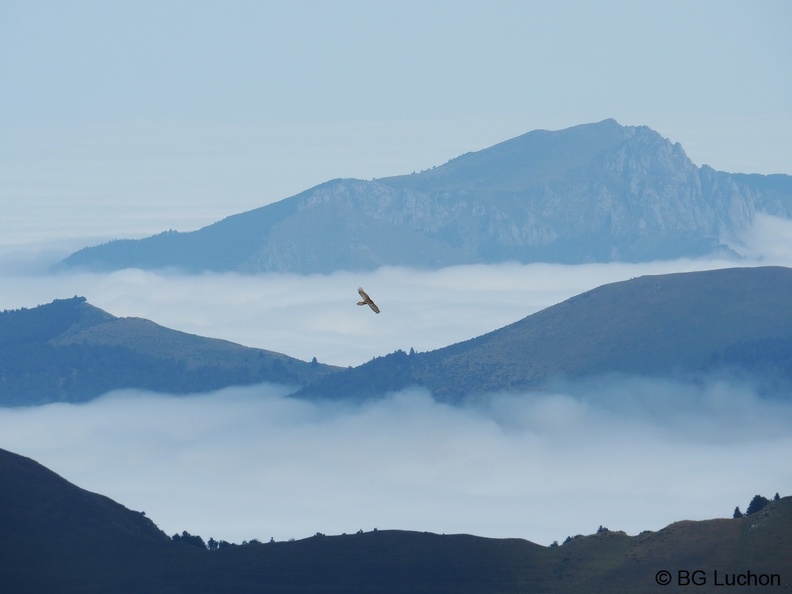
[736, 320]
[58, 538]
[70, 351]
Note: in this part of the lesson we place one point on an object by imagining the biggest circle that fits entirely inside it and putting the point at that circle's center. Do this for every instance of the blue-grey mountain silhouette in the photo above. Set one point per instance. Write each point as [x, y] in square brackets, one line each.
[71, 351]
[592, 193]
[736, 322]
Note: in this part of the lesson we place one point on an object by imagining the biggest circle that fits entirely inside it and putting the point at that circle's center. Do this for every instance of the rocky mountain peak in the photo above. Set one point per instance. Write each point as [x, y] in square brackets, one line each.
[591, 193]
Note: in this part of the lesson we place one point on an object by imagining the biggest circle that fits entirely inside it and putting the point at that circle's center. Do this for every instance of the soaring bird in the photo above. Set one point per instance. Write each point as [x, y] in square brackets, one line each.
[367, 300]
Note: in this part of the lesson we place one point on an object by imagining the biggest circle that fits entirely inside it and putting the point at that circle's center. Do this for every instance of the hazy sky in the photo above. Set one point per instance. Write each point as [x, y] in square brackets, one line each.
[125, 119]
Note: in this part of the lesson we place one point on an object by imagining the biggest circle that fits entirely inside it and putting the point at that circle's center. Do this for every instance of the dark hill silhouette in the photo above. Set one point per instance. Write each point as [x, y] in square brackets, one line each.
[596, 192]
[60, 538]
[71, 351]
[736, 321]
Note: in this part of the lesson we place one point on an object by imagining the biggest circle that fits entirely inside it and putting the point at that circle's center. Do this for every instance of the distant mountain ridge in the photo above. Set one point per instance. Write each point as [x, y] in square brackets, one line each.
[58, 537]
[736, 321]
[592, 193]
[71, 351]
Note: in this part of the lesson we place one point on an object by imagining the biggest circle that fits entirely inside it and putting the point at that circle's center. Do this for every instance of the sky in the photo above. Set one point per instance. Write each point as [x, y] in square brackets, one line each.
[127, 119]
[158, 115]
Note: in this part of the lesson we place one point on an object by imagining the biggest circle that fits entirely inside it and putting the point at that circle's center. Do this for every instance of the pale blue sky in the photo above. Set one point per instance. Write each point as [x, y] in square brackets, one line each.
[126, 118]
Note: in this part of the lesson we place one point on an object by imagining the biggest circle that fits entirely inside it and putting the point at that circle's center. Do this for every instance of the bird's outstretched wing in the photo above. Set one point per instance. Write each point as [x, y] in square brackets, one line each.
[367, 300]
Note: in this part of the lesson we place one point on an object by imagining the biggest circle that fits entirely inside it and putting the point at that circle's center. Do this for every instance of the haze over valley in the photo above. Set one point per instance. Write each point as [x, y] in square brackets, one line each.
[575, 219]
[244, 463]
[292, 468]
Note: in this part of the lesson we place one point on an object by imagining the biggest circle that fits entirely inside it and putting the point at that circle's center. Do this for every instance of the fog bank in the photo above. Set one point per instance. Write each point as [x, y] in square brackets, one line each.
[238, 464]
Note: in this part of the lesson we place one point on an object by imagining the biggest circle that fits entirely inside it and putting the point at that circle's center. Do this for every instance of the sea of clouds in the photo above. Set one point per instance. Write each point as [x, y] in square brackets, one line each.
[247, 463]
[623, 452]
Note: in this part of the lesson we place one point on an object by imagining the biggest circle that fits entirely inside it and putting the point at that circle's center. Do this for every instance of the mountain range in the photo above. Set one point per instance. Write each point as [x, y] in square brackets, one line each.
[735, 321]
[61, 538]
[71, 351]
[592, 193]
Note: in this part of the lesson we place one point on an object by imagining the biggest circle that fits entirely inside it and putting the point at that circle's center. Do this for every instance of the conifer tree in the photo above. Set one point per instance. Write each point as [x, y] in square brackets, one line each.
[758, 503]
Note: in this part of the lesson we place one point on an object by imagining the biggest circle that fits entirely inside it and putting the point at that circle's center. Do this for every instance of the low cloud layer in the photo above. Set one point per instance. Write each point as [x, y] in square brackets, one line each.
[630, 454]
[626, 453]
[316, 316]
